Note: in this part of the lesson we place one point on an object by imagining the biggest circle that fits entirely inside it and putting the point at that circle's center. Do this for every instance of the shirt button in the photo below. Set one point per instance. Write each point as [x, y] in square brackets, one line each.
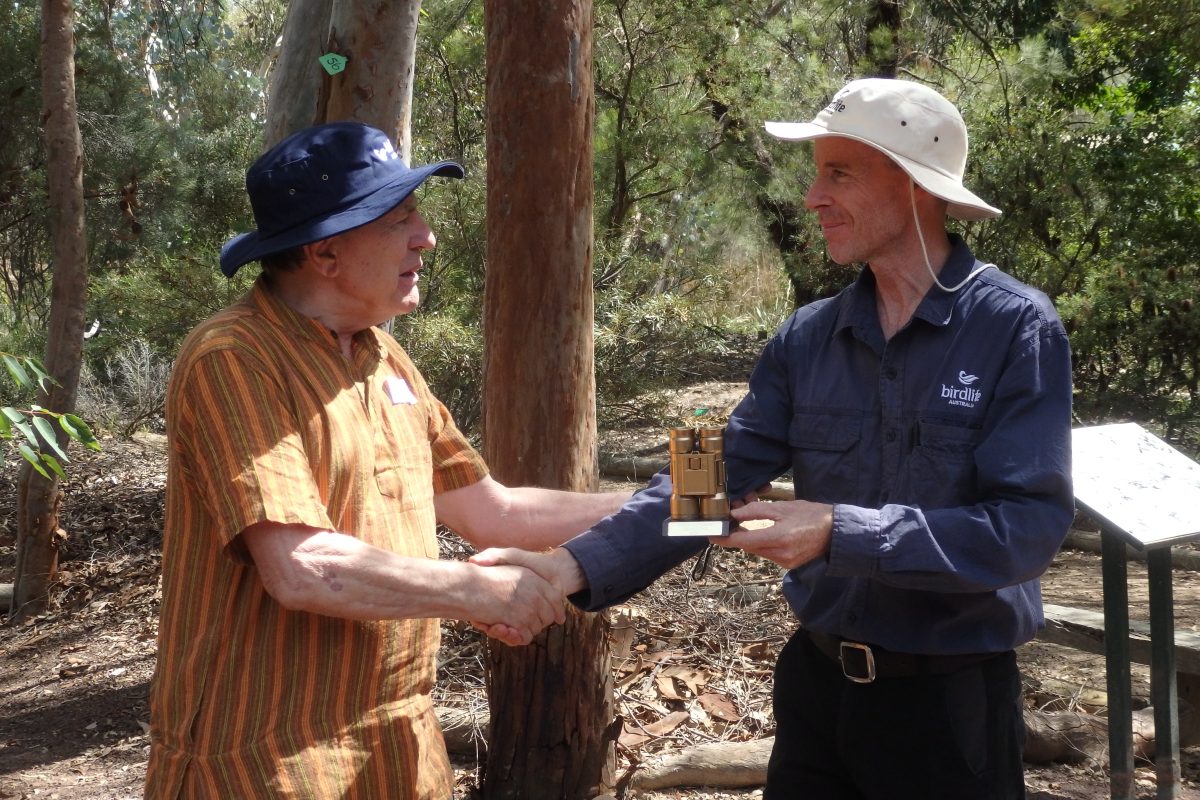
[890, 373]
[891, 436]
[852, 618]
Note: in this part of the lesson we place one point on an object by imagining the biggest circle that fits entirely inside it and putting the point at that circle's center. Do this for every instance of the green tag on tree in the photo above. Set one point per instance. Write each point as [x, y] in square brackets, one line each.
[333, 63]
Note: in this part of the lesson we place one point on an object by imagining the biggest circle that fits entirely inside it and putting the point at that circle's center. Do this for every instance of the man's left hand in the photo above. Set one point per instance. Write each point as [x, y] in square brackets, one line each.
[801, 531]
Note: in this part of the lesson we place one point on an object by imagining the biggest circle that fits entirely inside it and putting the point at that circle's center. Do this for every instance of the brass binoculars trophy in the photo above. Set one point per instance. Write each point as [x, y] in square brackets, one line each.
[699, 505]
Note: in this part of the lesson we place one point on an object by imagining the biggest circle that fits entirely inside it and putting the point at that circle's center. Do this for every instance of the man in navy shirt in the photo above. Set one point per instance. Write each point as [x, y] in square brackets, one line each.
[925, 414]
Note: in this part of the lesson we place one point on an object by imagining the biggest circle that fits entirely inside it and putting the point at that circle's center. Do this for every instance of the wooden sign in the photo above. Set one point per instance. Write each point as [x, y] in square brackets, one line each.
[1136, 484]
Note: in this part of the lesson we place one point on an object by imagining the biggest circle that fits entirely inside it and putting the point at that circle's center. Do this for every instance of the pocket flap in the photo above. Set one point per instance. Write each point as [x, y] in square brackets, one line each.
[948, 438]
[823, 431]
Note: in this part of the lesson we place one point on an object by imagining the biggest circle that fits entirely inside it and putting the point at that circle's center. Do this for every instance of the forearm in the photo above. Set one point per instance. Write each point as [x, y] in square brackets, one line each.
[489, 514]
[333, 574]
[970, 549]
[337, 575]
[627, 551]
[546, 517]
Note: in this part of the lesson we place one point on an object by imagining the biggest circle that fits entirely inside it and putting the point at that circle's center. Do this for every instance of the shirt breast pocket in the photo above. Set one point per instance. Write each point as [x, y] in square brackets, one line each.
[826, 455]
[406, 475]
[943, 464]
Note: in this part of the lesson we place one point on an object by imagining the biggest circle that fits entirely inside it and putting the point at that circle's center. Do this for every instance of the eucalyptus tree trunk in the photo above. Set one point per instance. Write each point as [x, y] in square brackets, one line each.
[551, 703]
[293, 99]
[379, 40]
[38, 498]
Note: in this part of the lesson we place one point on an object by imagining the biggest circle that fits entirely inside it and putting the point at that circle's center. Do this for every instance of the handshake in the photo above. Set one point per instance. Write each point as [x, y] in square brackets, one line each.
[521, 593]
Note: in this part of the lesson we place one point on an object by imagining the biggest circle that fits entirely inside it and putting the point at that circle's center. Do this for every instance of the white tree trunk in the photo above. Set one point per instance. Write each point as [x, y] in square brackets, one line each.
[293, 99]
[379, 40]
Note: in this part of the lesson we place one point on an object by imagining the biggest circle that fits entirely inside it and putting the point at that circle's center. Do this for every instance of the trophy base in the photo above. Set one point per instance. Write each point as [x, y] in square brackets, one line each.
[699, 527]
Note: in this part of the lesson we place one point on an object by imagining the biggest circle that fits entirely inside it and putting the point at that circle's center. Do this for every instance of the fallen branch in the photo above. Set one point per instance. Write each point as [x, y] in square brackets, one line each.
[1071, 738]
[722, 765]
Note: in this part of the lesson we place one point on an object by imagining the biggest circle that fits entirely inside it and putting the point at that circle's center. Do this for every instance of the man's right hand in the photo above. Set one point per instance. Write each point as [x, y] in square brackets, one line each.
[558, 567]
[514, 604]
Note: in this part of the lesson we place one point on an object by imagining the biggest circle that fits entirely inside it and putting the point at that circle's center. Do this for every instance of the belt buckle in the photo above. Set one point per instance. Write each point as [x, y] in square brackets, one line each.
[868, 657]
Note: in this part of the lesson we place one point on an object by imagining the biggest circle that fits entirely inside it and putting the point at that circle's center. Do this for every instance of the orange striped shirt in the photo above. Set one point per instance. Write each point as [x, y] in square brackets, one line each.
[268, 421]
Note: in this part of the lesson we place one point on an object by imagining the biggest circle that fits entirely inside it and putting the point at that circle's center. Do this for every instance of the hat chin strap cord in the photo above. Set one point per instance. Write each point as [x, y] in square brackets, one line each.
[912, 196]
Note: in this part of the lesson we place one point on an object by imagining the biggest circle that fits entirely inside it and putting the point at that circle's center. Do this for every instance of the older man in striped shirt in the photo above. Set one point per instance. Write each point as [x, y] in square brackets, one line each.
[309, 465]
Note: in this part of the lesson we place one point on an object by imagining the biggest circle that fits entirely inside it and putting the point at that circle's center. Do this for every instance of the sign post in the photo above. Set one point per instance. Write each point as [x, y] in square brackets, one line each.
[1143, 493]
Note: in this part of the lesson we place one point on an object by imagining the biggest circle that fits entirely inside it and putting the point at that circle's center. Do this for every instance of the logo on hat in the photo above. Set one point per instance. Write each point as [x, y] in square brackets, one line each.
[385, 153]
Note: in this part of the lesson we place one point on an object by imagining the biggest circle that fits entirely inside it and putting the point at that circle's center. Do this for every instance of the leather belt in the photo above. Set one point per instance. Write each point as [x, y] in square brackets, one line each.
[863, 663]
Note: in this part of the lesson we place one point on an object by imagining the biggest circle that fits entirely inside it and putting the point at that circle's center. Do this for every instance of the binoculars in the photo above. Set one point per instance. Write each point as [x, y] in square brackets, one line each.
[699, 505]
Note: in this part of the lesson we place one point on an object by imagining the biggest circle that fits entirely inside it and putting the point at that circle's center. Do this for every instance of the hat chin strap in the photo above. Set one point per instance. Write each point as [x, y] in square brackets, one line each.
[912, 196]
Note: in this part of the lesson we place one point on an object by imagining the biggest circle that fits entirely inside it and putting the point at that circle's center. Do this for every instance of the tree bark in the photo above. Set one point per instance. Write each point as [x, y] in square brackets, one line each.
[38, 498]
[551, 703]
[296, 80]
[378, 38]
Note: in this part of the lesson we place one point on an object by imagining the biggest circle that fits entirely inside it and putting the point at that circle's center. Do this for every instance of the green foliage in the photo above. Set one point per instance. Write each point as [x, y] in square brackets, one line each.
[1084, 129]
[450, 356]
[448, 122]
[1101, 211]
[40, 443]
[649, 342]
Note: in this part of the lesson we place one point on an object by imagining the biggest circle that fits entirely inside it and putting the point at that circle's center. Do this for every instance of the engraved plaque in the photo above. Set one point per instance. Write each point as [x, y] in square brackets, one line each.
[1136, 484]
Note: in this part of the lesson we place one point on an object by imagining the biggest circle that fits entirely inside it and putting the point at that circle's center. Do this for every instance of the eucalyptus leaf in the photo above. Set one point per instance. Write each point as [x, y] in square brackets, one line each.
[82, 432]
[27, 431]
[35, 461]
[44, 379]
[52, 462]
[17, 371]
[49, 436]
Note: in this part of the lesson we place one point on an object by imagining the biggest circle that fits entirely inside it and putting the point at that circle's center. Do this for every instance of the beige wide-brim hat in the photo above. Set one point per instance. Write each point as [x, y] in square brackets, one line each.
[911, 124]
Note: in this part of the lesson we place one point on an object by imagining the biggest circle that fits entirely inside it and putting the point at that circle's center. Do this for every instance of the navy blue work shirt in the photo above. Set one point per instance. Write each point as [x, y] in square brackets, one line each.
[945, 453]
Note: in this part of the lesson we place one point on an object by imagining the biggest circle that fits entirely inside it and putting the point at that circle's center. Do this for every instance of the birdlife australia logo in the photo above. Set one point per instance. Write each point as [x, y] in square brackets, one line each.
[964, 395]
[385, 153]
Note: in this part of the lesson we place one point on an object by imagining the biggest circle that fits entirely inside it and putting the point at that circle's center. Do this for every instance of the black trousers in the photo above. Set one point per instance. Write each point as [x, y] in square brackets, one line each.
[957, 736]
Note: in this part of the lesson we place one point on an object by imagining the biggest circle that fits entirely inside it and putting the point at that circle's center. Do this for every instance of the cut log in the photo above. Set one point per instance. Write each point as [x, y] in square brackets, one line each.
[638, 468]
[464, 730]
[722, 765]
[1083, 629]
[1050, 694]
[1071, 738]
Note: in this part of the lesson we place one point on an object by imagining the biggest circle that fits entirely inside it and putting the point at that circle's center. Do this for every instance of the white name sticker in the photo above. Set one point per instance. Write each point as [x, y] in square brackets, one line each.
[398, 391]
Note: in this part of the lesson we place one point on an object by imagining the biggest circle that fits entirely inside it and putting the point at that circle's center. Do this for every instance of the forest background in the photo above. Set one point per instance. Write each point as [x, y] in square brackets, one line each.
[1084, 118]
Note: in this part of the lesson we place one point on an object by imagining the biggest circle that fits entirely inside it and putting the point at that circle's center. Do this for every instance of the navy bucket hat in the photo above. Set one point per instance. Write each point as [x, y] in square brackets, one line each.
[320, 182]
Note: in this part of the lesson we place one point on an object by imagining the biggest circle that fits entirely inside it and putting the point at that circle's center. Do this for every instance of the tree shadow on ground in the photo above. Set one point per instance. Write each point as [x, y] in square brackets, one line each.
[44, 729]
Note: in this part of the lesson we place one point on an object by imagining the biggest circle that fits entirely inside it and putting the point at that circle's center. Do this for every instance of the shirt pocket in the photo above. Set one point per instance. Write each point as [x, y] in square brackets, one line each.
[405, 474]
[943, 470]
[826, 455]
